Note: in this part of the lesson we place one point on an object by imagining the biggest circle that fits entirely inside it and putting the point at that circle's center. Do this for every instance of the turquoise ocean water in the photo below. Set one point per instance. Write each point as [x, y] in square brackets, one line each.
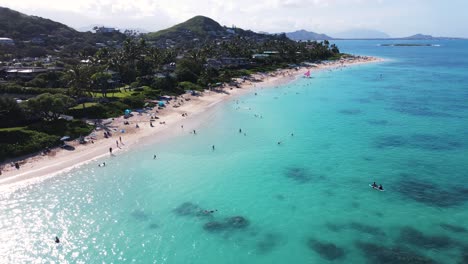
[402, 123]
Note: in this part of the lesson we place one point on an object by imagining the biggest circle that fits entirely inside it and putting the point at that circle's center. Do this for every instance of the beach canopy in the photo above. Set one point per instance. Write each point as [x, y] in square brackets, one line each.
[127, 111]
[161, 103]
[65, 138]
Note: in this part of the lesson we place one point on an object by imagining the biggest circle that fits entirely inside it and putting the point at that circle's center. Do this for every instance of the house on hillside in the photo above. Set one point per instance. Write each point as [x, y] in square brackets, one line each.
[6, 41]
[260, 56]
[37, 40]
[27, 73]
[106, 30]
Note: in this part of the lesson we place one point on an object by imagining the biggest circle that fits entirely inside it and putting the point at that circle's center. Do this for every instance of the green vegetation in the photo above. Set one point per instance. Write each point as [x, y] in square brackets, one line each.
[199, 25]
[36, 37]
[19, 141]
[49, 106]
[61, 127]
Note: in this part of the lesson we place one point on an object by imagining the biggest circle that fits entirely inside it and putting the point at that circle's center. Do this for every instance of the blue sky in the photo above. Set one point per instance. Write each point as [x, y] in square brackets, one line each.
[395, 17]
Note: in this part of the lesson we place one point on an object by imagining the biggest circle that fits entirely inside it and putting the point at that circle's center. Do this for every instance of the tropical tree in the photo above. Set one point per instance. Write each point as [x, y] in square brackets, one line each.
[100, 80]
[49, 106]
[11, 114]
[79, 79]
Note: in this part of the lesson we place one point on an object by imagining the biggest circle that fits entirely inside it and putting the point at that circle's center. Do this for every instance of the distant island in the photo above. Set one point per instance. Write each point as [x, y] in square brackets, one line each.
[304, 35]
[408, 45]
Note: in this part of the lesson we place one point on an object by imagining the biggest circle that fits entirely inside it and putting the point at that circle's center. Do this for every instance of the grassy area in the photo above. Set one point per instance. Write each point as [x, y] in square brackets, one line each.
[120, 94]
[80, 106]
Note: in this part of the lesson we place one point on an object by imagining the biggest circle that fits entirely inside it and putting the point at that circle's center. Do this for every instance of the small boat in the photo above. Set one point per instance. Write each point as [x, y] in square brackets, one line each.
[376, 188]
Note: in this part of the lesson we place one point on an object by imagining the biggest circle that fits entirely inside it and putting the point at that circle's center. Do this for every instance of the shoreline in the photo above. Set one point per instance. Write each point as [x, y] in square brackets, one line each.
[170, 123]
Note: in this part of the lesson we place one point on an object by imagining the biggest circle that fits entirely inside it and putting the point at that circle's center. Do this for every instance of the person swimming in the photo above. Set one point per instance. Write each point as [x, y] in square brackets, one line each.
[102, 164]
[374, 185]
[57, 240]
[380, 187]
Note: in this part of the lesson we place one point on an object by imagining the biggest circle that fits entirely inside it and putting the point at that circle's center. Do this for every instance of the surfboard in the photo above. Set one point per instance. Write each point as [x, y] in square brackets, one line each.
[375, 188]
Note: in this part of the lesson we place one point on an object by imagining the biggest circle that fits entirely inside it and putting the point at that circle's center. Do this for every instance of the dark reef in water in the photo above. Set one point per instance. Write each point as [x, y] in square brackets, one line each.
[417, 238]
[267, 243]
[454, 228]
[359, 227]
[363, 100]
[140, 215]
[191, 209]
[153, 226]
[377, 122]
[416, 109]
[366, 158]
[391, 255]
[187, 209]
[350, 111]
[363, 228]
[299, 175]
[230, 223]
[334, 227]
[280, 197]
[418, 141]
[326, 250]
[237, 222]
[432, 194]
[214, 226]
[464, 257]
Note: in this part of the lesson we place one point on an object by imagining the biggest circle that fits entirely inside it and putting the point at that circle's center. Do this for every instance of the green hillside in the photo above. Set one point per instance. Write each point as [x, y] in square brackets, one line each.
[19, 26]
[198, 26]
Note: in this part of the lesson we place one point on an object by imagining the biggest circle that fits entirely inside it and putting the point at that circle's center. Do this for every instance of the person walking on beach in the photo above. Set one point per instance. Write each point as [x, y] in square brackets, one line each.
[194, 132]
[120, 138]
[117, 142]
[110, 150]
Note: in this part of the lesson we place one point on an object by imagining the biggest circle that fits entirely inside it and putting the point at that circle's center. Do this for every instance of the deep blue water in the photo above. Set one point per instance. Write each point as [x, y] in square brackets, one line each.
[402, 123]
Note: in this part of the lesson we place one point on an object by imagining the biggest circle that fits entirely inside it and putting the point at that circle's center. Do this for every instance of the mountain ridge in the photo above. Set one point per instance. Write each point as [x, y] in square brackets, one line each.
[307, 35]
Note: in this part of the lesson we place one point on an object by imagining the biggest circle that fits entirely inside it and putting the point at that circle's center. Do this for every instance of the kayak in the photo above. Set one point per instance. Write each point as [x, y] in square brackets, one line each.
[375, 188]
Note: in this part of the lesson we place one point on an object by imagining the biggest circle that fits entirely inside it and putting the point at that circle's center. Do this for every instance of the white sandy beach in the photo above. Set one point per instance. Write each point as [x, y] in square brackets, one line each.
[196, 107]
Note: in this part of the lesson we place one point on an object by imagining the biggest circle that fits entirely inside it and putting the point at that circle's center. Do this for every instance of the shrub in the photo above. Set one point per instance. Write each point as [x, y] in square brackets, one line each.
[61, 127]
[20, 141]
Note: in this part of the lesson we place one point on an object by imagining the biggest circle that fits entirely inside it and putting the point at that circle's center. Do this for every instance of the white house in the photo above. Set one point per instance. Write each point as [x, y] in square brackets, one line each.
[6, 41]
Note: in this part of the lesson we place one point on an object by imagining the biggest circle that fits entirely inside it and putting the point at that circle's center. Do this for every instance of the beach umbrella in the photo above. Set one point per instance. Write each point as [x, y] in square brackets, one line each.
[127, 111]
[161, 103]
[65, 138]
